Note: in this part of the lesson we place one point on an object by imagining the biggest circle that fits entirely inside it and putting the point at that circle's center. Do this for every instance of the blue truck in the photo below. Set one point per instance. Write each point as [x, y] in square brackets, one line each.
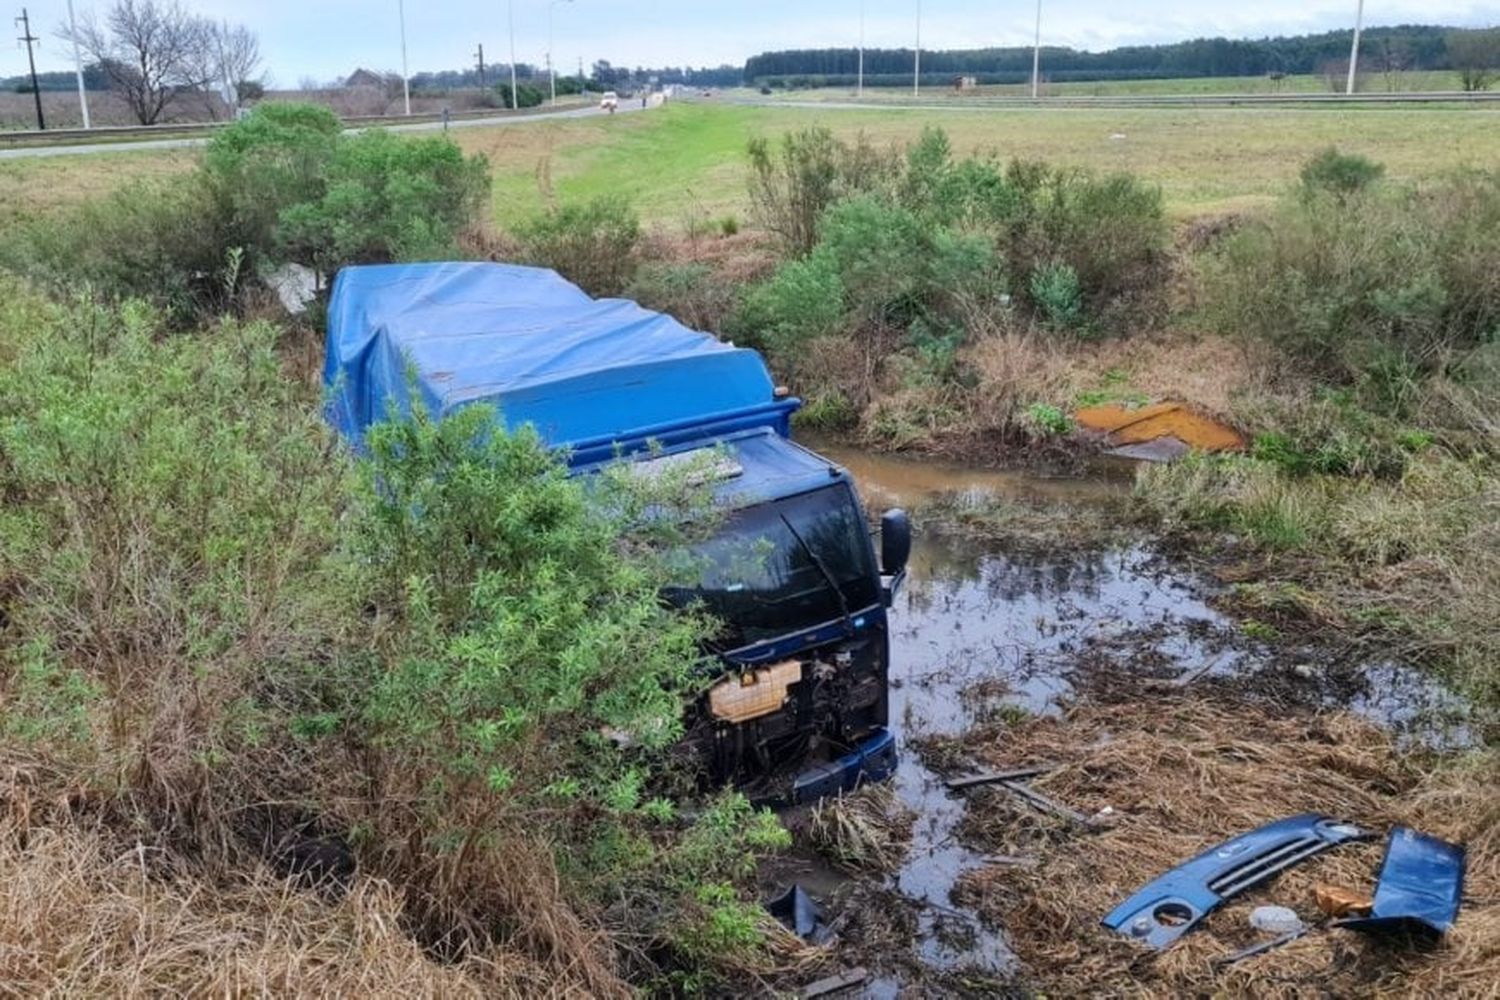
[799, 702]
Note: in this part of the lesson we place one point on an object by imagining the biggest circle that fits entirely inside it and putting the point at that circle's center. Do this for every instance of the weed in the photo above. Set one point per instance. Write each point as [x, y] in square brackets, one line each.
[1339, 174]
[1048, 420]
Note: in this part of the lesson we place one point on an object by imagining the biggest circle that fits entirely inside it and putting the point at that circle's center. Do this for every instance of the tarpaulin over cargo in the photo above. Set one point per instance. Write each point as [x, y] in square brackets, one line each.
[586, 372]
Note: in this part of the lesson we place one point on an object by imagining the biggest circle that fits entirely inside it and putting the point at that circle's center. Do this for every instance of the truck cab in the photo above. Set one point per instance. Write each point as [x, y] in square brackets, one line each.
[796, 703]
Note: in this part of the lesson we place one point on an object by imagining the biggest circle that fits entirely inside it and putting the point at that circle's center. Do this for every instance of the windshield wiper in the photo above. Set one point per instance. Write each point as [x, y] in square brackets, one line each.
[827, 576]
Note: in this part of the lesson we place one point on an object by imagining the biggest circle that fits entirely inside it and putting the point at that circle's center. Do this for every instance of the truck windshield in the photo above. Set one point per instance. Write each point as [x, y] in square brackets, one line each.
[772, 568]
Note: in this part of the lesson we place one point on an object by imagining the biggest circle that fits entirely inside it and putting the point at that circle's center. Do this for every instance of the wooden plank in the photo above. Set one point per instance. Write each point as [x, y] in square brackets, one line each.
[833, 984]
[1045, 804]
[995, 777]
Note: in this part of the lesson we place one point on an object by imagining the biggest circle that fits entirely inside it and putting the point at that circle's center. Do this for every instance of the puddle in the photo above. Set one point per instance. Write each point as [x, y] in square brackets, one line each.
[978, 631]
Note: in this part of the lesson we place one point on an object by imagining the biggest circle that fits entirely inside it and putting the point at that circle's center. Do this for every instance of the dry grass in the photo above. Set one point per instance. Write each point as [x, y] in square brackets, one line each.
[36, 188]
[84, 915]
[1183, 773]
[868, 829]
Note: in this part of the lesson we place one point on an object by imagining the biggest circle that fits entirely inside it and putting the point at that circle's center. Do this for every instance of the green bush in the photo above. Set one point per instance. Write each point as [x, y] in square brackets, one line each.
[804, 299]
[1058, 297]
[1376, 289]
[385, 197]
[1111, 231]
[790, 192]
[1339, 174]
[165, 505]
[530, 96]
[261, 165]
[592, 243]
[283, 184]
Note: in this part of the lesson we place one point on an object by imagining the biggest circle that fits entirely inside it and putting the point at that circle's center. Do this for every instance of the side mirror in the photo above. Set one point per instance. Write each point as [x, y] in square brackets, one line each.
[895, 542]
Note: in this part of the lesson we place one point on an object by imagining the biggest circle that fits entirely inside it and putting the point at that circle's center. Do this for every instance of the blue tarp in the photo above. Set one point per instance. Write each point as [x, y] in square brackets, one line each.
[583, 371]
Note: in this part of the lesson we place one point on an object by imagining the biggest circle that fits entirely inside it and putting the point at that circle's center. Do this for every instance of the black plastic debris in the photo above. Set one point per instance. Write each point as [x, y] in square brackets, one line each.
[799, 914]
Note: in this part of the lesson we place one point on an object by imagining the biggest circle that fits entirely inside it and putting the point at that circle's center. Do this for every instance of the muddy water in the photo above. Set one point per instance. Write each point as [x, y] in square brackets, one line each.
[979, 630]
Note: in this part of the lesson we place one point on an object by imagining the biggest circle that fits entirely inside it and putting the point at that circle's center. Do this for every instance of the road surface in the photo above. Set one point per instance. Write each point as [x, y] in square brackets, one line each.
[131, 146]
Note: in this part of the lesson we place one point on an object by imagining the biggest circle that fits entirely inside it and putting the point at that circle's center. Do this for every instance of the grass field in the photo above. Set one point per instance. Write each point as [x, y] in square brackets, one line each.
[688, 160]
[1305, 83]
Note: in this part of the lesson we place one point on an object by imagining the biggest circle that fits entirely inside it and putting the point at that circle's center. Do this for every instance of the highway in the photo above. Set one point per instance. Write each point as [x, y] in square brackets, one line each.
[186, 142]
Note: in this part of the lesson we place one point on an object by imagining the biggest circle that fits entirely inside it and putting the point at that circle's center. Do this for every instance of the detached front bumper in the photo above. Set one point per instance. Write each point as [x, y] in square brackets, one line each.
[874, 759]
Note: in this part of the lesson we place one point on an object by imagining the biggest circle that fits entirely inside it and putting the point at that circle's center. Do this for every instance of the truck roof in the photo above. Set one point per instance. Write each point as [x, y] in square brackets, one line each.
[590, 374]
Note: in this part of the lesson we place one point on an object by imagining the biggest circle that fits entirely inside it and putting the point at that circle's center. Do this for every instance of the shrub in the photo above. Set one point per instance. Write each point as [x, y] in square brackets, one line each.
[1376, 291]
[1056, 292]
[386, 197]
[690, 292]
[789, 193]
[1339, 174]
[804, 299]
[530, 96]
[283, 184]
[1111, 231]
[256, 168]
[161, 241]
[591, 243]
[167, 501]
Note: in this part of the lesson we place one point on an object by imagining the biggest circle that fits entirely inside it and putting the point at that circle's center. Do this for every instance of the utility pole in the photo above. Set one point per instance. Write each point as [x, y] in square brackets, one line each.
[510, 15]
[859, 87]
[480, 56]
[1036, 55]
[916, 66]
[83, 100]
[405, 79]
[1359, 21]
[36, 91]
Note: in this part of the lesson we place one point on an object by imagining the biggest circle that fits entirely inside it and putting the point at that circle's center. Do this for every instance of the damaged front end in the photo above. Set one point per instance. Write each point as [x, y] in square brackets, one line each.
[800, 704]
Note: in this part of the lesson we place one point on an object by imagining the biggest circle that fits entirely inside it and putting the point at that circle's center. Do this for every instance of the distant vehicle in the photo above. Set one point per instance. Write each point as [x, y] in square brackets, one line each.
[796, 703]
[609, 102]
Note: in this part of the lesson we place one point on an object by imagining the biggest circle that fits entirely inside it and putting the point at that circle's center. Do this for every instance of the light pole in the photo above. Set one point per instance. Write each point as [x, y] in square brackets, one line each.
[510, 18]
[858, 87]
[916, 66]
[83, 100]
[1036, 55]
[1359, 21]
[405, 84]
[551, 66]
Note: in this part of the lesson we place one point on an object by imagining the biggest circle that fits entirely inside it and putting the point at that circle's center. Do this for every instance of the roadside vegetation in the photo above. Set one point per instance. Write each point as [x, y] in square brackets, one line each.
[236, 655]
[233, 654]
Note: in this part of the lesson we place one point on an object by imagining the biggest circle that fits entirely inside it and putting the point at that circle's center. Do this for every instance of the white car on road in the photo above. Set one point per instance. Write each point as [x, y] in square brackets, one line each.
[609, 101]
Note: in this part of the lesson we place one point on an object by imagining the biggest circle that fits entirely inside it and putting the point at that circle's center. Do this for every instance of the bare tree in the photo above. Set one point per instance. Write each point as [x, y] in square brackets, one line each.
[237, 57]
[151, 53]
[1476, 56]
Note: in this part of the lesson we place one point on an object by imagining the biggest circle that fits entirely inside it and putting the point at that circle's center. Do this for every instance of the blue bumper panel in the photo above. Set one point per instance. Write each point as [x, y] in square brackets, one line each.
[873, 760]
[1421, 883]
[1176, 902]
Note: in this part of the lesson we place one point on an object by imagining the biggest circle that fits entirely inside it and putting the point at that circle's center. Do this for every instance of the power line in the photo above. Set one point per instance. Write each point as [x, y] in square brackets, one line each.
[36, 89]
[480, 56]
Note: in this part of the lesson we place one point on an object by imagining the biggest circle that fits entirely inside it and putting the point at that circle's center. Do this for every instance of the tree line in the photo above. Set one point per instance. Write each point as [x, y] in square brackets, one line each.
[1403, 47]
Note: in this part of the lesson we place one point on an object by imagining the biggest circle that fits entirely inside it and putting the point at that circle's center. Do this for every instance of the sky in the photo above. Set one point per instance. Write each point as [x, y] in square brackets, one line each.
[327, 39]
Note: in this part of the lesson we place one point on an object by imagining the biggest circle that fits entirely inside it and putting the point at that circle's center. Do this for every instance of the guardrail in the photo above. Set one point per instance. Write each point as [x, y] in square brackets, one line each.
[946, 99]
[172, 130]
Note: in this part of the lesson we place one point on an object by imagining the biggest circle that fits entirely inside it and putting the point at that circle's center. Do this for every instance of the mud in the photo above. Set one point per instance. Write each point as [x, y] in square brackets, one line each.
[986, 631]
